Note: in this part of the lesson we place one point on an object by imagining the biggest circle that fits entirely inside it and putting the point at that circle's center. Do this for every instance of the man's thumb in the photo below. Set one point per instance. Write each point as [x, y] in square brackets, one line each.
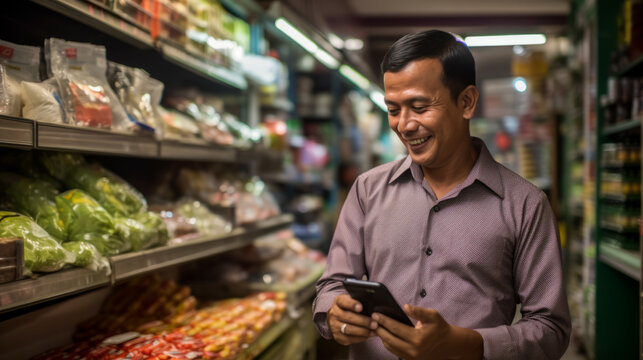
[419, 313]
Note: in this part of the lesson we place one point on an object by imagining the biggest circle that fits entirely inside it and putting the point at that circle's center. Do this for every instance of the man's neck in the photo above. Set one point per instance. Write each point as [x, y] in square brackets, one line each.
[444, 179]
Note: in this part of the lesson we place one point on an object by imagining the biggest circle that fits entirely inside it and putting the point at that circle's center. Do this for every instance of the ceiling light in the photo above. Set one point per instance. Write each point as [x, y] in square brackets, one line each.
[505, 40]
[352, 75]
[336, 41]
[520, 84]
[378, 99]
[353, 44]
[310, 46]
[326, 59]
[293, 33]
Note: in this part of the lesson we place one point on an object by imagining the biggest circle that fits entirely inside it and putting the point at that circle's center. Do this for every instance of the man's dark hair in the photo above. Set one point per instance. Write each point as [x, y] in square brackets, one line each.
[458, 66]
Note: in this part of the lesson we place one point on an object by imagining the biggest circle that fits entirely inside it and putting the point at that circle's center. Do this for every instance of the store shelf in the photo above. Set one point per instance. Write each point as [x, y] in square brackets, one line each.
[16, 132]
[133, 264]
[635, 68]
[196, 151]
[203, 67]
[624, 126]
[620, 198]
[298, 292]
[625, 261]
[267, 338]
[100, 19]
[282, 178]
[25, 292]
[108, 142]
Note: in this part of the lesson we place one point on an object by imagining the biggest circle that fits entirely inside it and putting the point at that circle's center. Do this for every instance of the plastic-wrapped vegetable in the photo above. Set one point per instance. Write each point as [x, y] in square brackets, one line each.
[142, 231]
[59, 164]
[42, 252]
[87, 256]
[206, 221]
[17, 63]
[36, 199]
[113, 193]
[86, 220]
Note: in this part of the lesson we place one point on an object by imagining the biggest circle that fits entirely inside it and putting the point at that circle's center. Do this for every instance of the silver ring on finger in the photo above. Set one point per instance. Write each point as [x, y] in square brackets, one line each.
[343, 329]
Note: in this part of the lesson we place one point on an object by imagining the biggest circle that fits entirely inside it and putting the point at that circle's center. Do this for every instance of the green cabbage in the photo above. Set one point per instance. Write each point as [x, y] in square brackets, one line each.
[59, 164]
[113, 193]
[86, 220]
[142, 231]
[42, 252]
[36, 199]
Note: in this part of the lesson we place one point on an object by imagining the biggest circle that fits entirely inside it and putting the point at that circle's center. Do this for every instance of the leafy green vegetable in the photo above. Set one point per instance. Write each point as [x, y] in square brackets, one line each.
[59, 164]
[142, 231]
[36, 199]
[85, 252]
[113, 193]
[42, 252]
[86, 220]
[207, 222]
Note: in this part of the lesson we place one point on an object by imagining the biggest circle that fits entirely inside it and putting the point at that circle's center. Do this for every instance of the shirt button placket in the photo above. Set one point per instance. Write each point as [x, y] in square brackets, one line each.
[423, 293]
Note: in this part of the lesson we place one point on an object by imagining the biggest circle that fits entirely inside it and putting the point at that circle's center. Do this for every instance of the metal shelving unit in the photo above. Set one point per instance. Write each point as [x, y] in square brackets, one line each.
[625, 261]
[267, 338]
[16, 132]
[619, 128]
[27, 292]
[180, 150]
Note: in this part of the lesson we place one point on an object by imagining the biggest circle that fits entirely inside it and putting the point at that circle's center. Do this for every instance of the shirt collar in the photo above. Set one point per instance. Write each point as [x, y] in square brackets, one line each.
[486, 170]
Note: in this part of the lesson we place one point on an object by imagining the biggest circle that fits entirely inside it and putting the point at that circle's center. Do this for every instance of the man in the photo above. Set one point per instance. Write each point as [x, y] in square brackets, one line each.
[454, 235]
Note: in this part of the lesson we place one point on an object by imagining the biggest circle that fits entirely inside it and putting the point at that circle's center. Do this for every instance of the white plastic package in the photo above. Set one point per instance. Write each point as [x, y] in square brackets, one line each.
[41, 101]
[87, 98]
[17, 63]
[139, 93]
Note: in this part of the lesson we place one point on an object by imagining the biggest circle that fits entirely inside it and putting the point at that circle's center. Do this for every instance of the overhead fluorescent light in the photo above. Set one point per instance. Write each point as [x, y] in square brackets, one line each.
[310, 46]
[378, 99]
[352, 75]
[336, 41]
[293, 33]
[353, 44]
[505, 40]
[326, 59]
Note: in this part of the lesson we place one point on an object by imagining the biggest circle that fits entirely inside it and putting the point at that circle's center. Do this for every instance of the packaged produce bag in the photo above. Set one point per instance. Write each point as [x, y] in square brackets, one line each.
[88, 100]
[36, 199]
[113, 193]
[17, 63]
[86, 220]
[42, 101]
[42, 252]
[59, 164]
[207, 222]
[142, 231]
[87, 256]
[138, 92]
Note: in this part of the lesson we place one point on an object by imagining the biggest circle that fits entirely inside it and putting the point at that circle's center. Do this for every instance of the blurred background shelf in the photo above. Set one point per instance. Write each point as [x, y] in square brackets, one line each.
[625, 261]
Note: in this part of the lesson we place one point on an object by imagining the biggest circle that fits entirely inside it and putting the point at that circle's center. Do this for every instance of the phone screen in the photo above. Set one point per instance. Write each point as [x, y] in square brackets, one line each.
[375, 297]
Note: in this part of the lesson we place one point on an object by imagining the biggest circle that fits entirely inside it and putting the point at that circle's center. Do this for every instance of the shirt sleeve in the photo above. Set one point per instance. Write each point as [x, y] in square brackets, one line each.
[345, 258]
[544, 330]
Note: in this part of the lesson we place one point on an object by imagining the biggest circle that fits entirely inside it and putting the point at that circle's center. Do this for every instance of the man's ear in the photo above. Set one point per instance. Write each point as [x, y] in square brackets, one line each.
[468, 100]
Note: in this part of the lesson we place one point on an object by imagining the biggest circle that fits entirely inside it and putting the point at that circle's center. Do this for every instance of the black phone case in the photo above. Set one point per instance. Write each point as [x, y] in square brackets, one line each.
[375, 297]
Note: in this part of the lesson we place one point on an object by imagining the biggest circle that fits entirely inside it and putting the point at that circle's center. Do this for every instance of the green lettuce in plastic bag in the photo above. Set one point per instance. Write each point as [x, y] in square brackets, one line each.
[59, 164]
[113, 193]
[42, 252]
[86, 220]
[142, 231]
[87, 256]
[207, 222]
[36, 199]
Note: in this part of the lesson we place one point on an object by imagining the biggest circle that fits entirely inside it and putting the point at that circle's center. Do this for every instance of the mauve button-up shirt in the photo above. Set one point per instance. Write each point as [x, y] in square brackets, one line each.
[487, 245]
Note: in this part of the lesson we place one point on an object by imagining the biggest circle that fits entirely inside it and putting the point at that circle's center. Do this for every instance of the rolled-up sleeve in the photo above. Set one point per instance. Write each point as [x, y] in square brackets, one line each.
[544, 330]
[345, 258]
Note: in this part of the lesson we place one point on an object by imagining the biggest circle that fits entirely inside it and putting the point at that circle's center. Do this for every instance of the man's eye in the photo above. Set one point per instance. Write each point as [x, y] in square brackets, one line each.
[393, 111]
[419, 108]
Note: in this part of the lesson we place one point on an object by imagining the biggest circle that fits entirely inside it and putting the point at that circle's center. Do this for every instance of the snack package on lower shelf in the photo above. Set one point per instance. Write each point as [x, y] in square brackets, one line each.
[17, 63]
[149, 317]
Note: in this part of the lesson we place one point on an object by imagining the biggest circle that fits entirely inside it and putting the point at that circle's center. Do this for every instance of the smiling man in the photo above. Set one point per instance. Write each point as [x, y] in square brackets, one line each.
[455, 236]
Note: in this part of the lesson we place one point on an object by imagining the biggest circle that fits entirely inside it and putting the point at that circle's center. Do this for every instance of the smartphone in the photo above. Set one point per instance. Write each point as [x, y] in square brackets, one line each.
[375, 297]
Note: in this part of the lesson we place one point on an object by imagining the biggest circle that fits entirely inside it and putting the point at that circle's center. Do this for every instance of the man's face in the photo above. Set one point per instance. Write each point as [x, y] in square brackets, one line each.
[423, 114]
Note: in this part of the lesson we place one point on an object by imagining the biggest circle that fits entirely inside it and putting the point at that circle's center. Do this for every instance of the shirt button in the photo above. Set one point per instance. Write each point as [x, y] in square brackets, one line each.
[423, 293]
[436, 208]
[428, 252]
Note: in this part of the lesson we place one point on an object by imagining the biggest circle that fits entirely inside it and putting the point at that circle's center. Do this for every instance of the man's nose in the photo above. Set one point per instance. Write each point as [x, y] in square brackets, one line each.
[407, 123]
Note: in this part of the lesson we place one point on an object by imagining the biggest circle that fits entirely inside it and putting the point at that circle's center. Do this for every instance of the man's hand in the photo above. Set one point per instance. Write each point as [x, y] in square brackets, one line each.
[345, 313]
[432, 338]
